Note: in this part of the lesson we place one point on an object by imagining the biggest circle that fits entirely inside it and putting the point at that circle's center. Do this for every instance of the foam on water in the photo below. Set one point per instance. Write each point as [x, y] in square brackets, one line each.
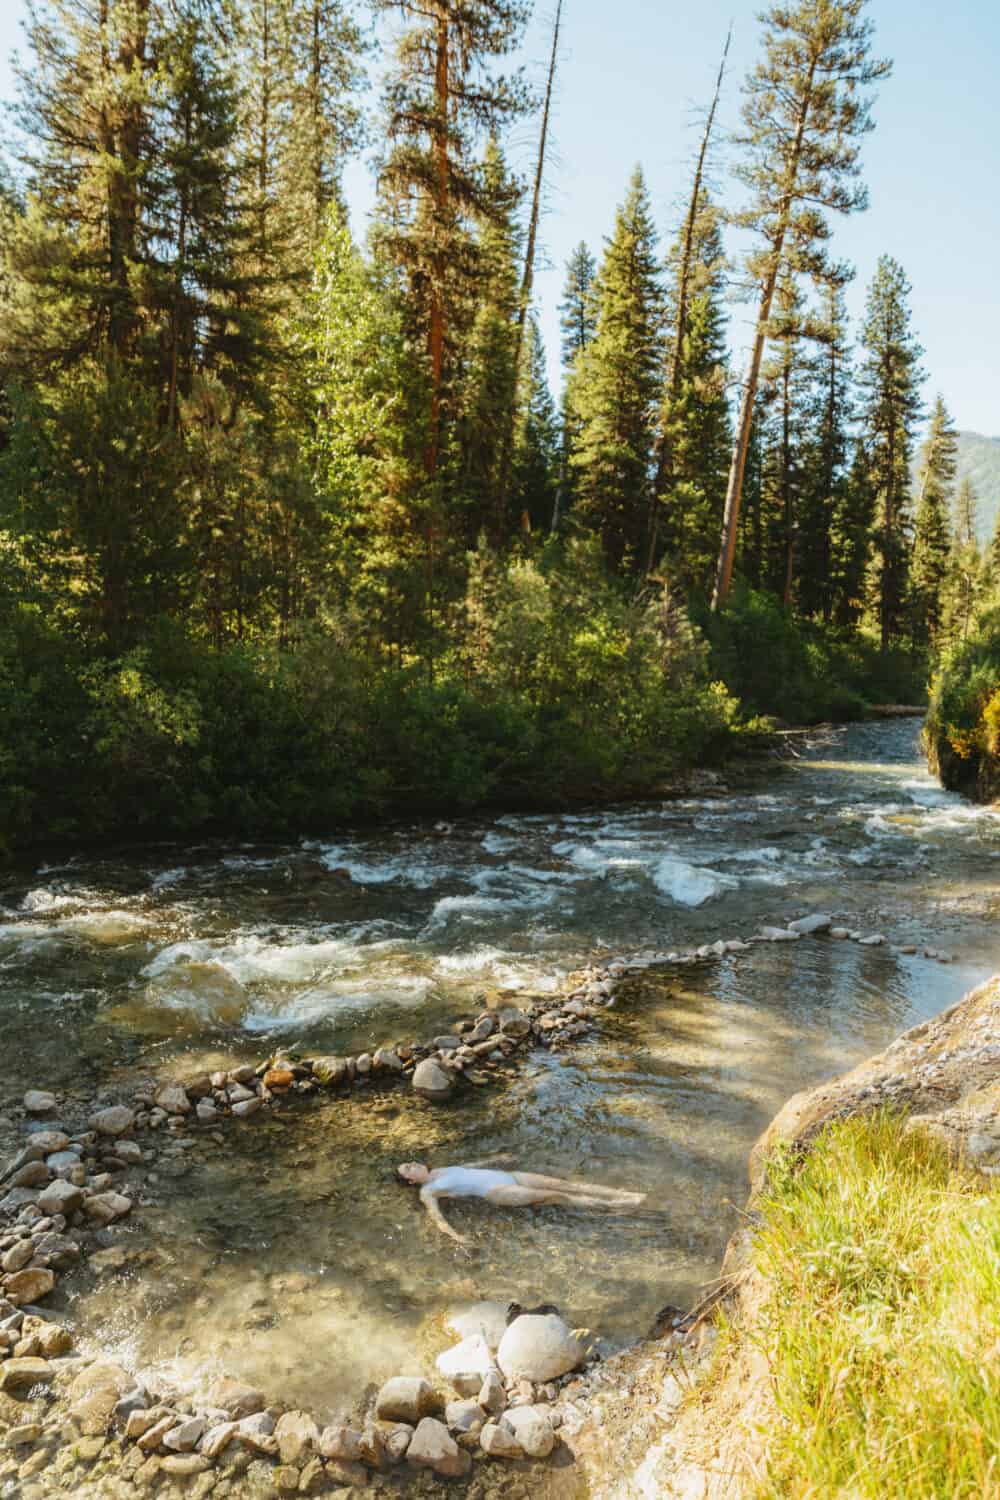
[413, 868]
[689, 885]
[45, 900]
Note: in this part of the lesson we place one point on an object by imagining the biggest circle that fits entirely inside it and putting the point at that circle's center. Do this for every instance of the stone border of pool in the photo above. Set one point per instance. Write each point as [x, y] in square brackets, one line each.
[62, 1199]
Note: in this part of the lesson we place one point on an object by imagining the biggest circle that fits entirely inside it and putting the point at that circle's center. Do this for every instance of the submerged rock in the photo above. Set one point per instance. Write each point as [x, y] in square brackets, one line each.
[95, 1393]
[118, 1119]
[38, 1102]
[235, 1398]
[806, 926]
[431, 1081]
[28, 1286]
[22, 1373]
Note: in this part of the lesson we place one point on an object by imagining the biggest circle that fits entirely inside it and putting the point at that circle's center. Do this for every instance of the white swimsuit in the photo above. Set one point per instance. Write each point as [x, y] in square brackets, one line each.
[468, 1182]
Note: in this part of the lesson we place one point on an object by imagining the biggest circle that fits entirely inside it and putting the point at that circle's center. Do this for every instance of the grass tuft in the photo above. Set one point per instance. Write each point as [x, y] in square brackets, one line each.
[882, 1321]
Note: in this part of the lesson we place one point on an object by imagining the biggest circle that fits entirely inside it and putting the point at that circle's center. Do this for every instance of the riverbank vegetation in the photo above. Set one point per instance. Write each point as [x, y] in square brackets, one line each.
[881, 1263]
[963, 722]
[292, 528]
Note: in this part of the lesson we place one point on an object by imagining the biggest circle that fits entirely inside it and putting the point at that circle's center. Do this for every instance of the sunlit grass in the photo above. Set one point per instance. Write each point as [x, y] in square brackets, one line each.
[882, 1320]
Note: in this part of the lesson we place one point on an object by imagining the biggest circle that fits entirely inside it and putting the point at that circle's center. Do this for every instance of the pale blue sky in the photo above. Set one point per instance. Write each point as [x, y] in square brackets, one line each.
[631, 76]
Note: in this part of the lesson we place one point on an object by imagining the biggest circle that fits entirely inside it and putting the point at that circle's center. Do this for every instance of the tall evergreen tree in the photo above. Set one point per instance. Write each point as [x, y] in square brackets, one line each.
[487, 391]
[853, 521]
[695, 429]
[966, 512]
[786, 377]
[932, 535]
[822, 529]
[323, 51]
[577, 313]
[83, 114]
[805, 115]
[536, 448]
[578, 324]
[890, 380]
[617, 387]
[963, 585]
[440, 97]
[689, 251]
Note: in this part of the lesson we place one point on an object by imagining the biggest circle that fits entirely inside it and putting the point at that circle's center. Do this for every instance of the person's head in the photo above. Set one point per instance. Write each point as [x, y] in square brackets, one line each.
[413, 1172]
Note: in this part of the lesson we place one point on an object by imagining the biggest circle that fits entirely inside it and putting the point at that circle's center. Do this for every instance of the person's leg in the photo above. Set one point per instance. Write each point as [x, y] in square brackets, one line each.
[527, 1197]
[574, 1185]
[520, 1196]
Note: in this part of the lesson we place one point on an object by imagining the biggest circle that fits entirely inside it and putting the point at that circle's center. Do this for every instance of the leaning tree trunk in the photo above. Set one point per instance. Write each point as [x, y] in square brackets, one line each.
[737, 471]
[436, 331]
[527, 275]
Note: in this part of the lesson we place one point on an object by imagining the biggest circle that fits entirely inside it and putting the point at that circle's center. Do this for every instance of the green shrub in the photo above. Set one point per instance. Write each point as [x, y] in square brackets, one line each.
[802, 671]
[962, 732]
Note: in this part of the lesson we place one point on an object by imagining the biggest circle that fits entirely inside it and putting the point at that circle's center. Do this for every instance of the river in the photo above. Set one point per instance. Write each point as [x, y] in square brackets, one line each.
[286, 1253]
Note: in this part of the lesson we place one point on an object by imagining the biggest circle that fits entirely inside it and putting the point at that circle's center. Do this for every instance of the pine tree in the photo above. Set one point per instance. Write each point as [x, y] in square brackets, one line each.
[199, 299]
[617, 388]
[890, 381]
[851, 541]
[787, 376]
[966, 512]
[932, 534]
[487, 391]
[963, 585]
[323, 77]
[82, 114]
[805, 115]
[441, 95]
[688, 268]
[578, 324]
[823, 528]
[577, 313]
[695, 430]
[537, 447]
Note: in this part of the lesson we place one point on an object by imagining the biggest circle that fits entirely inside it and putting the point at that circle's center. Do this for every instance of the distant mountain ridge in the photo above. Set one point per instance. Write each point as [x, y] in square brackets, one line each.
[979, 460]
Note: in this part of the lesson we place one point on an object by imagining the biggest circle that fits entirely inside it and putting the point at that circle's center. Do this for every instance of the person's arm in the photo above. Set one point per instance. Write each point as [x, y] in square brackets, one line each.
[428, 1198]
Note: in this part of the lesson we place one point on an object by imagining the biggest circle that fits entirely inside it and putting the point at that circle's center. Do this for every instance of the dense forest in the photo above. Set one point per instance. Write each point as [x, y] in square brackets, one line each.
[292, 528]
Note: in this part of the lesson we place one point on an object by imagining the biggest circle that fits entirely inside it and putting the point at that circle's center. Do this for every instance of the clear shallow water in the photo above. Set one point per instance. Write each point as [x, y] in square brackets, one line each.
[288, 1254]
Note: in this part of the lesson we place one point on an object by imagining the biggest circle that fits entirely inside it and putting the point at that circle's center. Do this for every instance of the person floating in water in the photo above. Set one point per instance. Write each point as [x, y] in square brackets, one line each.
[508, 1190]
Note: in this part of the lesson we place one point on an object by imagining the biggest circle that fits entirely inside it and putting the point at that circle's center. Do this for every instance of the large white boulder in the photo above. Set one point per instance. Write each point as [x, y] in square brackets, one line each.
[539, 1347]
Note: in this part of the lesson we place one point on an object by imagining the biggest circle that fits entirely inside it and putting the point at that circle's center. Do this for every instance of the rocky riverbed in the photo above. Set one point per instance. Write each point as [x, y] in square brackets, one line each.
[67, 1188]
[466, 994]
